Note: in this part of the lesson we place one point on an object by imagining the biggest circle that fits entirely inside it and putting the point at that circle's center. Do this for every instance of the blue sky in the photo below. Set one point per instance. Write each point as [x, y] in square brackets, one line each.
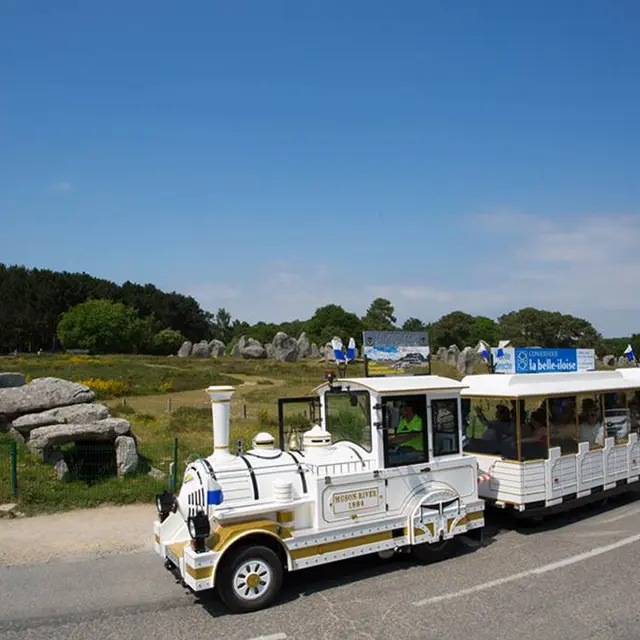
[271, 157]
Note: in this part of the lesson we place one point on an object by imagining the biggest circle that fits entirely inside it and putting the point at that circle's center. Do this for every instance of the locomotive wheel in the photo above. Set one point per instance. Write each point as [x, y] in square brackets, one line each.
[434, 551]
[250, 579]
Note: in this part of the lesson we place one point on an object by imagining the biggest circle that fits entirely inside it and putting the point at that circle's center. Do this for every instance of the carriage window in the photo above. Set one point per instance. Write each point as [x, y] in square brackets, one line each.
[348, 417]
[534, 429]
[616, 416]
[563, 424]
[444, 420]
[590, 423]
[633, 402]
[405, 430]
[489, 426]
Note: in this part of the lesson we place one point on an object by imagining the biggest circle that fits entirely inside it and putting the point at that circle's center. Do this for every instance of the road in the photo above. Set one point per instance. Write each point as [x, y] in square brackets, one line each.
[574, 577]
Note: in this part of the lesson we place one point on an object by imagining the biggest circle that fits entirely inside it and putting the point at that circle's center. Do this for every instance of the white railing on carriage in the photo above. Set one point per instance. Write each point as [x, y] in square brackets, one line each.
[589, 468]
[339, 468]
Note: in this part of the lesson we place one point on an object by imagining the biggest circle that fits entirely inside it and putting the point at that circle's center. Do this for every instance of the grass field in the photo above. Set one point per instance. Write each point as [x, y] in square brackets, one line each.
[164, 398]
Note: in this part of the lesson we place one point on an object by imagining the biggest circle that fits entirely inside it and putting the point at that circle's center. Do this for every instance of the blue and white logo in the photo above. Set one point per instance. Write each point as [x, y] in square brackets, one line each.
[535, 360]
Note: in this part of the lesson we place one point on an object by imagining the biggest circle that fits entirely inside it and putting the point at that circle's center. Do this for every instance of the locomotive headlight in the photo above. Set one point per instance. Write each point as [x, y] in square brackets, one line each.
[199, 530]
[166, 503]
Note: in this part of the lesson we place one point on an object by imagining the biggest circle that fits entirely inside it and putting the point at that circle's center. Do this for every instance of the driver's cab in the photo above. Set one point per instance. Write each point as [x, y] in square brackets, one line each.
[392, 421]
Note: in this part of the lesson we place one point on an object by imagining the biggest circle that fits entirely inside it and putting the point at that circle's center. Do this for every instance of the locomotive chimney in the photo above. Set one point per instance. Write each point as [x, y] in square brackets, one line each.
[220, 409]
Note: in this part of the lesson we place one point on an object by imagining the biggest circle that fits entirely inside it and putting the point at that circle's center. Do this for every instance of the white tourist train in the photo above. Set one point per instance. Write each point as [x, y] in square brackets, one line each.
[352, 484]
[549, 441]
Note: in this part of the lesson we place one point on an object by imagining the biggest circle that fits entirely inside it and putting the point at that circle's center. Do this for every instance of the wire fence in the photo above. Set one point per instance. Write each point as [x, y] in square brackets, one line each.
[89, 473]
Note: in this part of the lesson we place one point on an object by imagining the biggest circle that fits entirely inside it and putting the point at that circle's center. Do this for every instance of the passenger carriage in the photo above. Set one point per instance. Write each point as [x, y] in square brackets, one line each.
[341, 488]
[549, 441]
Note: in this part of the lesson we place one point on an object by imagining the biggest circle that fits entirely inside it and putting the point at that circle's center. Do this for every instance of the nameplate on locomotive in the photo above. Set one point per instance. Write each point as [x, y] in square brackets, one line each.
[356, 500]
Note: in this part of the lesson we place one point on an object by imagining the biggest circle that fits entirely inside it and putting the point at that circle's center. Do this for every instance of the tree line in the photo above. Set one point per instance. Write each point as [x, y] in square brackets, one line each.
[46, 310]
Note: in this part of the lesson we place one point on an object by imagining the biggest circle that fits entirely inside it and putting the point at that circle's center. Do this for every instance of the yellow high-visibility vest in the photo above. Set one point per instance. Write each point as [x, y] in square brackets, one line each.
[414, 425]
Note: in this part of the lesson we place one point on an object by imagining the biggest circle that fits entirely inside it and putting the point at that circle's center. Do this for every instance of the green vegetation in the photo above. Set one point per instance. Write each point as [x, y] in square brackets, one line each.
[45, 309]
[142, 389]
[101, 326]
[118, 376]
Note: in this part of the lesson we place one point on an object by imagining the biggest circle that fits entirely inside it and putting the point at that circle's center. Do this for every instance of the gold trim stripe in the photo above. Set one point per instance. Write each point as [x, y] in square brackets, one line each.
[284, 516]
[223, 535]
[199, 574]
[340, 545]
[470, 517]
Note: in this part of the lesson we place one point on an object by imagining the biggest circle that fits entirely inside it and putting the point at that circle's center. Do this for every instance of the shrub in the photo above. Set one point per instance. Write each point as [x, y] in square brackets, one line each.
[106, 388]
[167, 342]
[101, 326]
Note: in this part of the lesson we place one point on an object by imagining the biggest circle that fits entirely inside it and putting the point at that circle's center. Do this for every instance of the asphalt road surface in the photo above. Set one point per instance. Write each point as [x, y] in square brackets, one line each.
[574, 577]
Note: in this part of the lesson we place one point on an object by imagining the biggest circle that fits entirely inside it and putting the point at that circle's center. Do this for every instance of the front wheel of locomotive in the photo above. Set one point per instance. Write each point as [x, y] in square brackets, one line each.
[434, 551]
[250, 579]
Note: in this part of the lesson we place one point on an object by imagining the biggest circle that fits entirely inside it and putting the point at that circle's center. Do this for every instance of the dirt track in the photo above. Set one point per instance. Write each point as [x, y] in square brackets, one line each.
[87, 531]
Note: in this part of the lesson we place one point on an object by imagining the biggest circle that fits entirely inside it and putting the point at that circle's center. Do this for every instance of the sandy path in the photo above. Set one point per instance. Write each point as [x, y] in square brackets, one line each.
[87, 531]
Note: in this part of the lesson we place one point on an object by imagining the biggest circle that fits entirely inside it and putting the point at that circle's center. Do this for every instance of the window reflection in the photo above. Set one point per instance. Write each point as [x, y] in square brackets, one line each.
[406, 433]
[490, 426]
[444, 418]
[616, 416]
[563, 430]
[590, 424]
[633, 403]
[534, 429]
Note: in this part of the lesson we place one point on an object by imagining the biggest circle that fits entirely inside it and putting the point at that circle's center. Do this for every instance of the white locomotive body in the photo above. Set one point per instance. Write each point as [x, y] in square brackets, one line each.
[240, 521]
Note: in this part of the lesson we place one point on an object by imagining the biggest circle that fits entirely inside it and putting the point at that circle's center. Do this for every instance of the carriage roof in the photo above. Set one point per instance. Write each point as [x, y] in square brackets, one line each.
[632, 373]
[520, 385]
[398, 384]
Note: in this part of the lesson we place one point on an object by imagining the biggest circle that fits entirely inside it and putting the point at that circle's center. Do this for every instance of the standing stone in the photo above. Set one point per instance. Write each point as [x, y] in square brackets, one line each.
[452, 355]
[42, 394]
[236, 352]
[315, 352]
[126, 455]
[466, 359]
[217, 348]
[56, 460]
[253, 350]
[201, 350]
[609, 360]
[327, 352]
[185, 349]
[77, 413]
[270, 350]
[442, 354]
[304, 346]
[44, 438]
[284, 347]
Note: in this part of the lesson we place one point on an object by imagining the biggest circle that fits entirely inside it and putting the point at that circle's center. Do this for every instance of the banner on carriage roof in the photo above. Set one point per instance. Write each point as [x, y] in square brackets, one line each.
[539, 360]
[395, 352]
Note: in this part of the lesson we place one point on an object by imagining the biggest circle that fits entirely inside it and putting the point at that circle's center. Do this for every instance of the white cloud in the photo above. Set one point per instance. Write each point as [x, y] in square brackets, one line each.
[280, 291]
[584, 265]
[61, 187]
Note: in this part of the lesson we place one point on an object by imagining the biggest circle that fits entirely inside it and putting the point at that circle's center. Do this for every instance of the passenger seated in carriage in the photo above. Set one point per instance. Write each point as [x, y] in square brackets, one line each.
[591, 428]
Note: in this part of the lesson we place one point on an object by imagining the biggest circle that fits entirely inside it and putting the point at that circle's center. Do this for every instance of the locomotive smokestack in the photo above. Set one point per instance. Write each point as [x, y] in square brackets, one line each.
[220, 410]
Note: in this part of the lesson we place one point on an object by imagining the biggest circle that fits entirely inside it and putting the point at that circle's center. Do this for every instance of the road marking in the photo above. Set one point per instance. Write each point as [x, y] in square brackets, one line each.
[628, 514]
[531, 572]
[273, 636]
[595, 534]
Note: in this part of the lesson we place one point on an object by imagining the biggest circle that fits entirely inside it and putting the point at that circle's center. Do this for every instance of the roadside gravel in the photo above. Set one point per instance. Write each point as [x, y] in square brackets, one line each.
[58, 536]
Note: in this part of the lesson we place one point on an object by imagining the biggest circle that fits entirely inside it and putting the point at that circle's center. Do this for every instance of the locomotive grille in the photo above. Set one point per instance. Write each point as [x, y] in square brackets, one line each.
[197, 499]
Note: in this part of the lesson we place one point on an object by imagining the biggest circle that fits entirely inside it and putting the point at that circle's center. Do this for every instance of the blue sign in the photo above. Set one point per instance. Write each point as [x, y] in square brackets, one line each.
[536, 360]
